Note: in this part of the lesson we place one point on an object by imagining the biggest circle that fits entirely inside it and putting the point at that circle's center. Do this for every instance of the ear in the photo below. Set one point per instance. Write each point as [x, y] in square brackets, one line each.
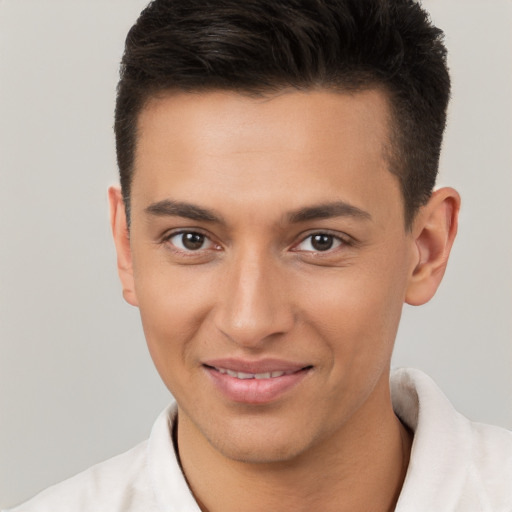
[434, 231]
[122, 242]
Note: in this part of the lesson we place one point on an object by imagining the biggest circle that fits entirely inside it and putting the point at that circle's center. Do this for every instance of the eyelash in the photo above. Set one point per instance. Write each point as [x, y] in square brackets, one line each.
[184, 250]
[336, 239]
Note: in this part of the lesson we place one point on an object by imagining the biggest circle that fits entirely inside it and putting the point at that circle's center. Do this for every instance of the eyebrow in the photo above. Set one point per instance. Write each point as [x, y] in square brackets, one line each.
[170, 208]
[326, 211]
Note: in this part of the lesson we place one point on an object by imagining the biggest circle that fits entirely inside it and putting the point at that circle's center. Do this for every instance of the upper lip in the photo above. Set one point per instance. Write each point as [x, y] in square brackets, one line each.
[258, 366]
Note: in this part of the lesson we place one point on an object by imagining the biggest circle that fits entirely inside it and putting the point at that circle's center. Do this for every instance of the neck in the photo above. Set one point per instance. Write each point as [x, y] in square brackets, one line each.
[361, 467]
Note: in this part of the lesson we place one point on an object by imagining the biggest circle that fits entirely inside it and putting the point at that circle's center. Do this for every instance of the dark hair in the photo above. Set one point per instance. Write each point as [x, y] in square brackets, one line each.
[262, 46]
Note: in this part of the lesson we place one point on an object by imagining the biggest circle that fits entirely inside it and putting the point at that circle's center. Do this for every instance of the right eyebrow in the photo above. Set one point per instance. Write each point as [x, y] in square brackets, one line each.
[169, 208]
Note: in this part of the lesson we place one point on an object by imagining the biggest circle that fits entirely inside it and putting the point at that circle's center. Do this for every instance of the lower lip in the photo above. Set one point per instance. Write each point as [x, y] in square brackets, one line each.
[255, 391]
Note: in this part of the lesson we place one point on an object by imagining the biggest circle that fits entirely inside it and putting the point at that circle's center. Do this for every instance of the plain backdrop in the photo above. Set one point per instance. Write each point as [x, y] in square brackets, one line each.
[76, 383]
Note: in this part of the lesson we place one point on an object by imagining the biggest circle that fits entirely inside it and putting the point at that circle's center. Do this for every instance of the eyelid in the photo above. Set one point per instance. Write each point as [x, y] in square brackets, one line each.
[166, 238]
[344, 239]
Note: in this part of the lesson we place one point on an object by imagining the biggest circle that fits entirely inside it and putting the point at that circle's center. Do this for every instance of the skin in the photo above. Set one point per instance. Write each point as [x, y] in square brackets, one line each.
[257, 288]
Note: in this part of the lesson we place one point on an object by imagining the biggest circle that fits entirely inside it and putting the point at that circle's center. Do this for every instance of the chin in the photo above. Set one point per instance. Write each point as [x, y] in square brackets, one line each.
[259, 445]
[258, 453]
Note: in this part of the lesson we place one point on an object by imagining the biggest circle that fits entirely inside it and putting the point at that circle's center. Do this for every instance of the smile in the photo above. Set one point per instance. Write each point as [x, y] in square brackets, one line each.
[244, 375]
[255, 383]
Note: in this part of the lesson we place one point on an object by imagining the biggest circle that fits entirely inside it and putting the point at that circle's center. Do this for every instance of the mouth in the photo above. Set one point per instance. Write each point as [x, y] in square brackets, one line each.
[245, 375]
[255, 382]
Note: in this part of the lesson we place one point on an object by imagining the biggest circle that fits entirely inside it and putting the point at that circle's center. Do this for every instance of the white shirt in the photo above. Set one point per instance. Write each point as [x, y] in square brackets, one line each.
[455, 465]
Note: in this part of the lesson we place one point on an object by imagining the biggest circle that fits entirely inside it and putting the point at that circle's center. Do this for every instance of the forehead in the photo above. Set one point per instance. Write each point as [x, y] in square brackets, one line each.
[224, 147]
[303, 118]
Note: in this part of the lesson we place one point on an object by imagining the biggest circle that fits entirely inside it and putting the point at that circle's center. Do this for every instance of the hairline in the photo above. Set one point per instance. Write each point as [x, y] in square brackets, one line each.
[391, 147]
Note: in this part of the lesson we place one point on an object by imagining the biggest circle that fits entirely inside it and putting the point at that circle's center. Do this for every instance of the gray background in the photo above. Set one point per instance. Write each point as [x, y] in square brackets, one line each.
[76, 383]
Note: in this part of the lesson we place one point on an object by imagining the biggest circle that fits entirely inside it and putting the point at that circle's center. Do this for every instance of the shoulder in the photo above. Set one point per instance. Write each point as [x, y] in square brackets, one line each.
[118, 484]
[490, 465]
[455, 464]
[146, 478]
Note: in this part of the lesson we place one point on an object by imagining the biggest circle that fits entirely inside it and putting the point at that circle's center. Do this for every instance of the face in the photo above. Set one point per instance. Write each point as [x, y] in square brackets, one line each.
[270, 262]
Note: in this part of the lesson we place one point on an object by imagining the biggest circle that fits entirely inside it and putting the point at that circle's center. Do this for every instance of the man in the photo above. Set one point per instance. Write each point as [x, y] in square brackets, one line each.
[277, 165]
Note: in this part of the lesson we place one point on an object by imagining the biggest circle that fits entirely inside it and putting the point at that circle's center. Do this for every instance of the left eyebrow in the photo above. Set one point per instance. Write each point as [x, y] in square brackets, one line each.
[181, 209]
[326, 211]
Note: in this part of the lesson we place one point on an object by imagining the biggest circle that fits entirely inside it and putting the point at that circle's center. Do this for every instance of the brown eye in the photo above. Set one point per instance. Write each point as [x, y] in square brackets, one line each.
[190, 241]
[322, 242]
[319, 242]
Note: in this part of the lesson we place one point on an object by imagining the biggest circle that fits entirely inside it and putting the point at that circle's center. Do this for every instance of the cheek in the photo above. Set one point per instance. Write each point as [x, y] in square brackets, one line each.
[173, 303]
[356, 310]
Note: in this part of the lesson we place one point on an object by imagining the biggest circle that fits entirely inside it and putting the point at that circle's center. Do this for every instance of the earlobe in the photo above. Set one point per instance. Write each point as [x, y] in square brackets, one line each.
[121, 236]
[434, 231]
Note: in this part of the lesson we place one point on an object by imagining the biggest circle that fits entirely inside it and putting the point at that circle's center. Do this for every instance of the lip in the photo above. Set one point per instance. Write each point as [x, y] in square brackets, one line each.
[255, 390]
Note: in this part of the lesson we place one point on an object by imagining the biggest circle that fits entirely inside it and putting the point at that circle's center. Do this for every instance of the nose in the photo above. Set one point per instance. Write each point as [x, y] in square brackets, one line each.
[254, 304]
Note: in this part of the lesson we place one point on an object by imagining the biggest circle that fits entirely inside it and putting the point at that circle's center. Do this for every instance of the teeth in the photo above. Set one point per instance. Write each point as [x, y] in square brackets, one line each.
[262, 375]
[244, 375]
